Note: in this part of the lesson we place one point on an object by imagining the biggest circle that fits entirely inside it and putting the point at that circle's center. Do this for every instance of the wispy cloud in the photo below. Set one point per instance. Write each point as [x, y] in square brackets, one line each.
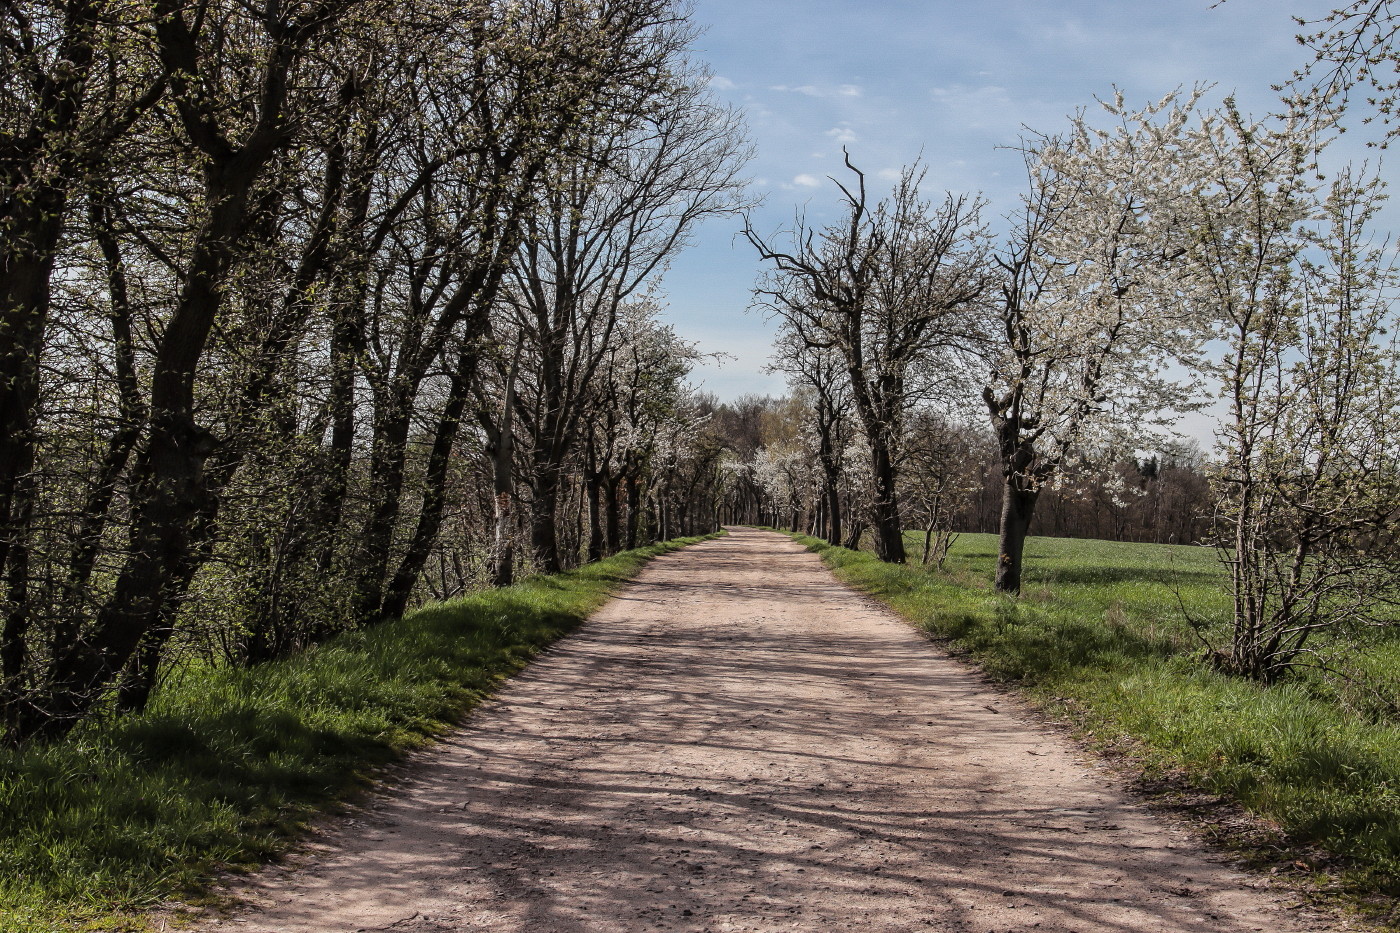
[824, 91]
[992, 106]
[720, 83]
[807, 181]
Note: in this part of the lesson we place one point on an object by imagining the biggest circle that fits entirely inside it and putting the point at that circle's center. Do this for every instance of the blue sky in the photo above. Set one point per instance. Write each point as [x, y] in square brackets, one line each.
[951, 80]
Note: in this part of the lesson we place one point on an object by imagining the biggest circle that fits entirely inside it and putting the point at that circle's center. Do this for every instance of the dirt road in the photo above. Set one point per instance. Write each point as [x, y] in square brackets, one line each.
[738, 742]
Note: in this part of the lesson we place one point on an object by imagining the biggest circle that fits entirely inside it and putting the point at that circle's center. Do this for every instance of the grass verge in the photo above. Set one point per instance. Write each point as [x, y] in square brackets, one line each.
[224, 768]
[1099, 638]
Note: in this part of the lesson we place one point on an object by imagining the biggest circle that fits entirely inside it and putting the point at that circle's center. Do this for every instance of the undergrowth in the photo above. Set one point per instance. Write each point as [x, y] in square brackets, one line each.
[226, 765]
[1099, 637]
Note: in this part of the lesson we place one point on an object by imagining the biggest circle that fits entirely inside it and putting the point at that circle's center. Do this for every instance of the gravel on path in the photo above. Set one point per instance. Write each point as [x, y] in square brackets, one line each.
[738, 742]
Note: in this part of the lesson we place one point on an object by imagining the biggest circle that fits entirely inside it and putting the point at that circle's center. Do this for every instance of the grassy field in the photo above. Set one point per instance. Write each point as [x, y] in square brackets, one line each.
[1099, 638]
[224, 767]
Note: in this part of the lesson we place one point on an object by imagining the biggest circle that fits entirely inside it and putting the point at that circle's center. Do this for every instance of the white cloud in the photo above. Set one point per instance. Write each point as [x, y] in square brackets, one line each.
[993, 107]
[722, 84]
[843, 134]
[821, 91]
[807, 181]
[960, 94]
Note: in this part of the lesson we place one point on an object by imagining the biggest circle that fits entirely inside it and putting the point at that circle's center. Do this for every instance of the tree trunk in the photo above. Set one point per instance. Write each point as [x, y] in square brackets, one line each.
[852, 542]
[614, 513]
[502, 454]
[1017, 507]
[884, 512]
[434, 491]
[833, 514]
[544, 531]
[388, 462]
[634, 511]
[26, 270]
[596, 542]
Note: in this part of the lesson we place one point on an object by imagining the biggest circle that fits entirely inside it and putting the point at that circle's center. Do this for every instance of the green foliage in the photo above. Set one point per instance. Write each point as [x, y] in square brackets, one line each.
[225, 764]
[1099, 636]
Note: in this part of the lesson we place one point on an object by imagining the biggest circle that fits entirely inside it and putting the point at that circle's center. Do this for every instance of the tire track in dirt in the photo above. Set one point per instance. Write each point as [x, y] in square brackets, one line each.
[738, 742]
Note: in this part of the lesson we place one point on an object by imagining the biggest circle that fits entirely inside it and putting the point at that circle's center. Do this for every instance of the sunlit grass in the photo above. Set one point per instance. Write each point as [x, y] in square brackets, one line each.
[1099, 635]
[224, 767]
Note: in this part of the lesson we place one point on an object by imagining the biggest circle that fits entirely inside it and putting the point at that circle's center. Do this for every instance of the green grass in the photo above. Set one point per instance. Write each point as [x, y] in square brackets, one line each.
[225, 766]
[1099, 637]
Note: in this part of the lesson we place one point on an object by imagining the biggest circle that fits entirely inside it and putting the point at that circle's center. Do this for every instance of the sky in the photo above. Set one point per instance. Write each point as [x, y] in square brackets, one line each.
[954, 82]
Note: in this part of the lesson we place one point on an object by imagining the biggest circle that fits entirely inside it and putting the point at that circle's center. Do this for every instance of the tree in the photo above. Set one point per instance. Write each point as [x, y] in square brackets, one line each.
[59, 125]
[615, 211]
[818, 376]
[1311, 468]
[1087, 312]
[281, 236]
[546, 81]
[888, 289]
[942, 468]
[640, 393]
[1353, 46]
[169, 494]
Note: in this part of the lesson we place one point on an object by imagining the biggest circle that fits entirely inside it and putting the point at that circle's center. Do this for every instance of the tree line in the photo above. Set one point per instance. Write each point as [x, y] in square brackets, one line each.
[950, 482]
[1159, 256]
[308, 309]
[313, 309]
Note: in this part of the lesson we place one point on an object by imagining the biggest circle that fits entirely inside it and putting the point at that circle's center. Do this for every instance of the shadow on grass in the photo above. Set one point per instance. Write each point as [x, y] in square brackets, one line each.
[1106, 576]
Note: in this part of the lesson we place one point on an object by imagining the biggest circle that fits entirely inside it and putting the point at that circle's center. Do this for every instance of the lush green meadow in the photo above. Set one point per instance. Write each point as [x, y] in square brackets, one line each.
[1099, 637]
[226, 765]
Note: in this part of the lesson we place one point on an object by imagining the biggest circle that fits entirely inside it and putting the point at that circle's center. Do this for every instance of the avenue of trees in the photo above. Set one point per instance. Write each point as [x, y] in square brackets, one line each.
[1159, 257]
[311, 311]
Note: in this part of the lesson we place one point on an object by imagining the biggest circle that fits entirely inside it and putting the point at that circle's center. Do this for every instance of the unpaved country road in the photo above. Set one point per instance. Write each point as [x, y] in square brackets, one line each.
[738, 742]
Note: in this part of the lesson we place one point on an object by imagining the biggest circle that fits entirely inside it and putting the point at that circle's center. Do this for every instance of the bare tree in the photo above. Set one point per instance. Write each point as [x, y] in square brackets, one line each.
[818, 376]
[616, 212]
[941, 467]
[887, 289]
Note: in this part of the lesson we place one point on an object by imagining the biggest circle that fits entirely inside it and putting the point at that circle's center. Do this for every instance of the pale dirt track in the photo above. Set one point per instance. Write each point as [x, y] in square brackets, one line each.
[738, 742]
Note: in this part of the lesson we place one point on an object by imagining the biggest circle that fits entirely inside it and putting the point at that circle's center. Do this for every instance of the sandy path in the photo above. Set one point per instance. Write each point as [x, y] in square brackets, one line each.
[738, 742]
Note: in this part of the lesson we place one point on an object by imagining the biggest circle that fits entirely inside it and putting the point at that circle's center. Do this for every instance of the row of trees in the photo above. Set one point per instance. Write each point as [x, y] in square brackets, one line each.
[309, 309]
[1069, 318]
[1178, 248]
[950, 481]
[298, 298]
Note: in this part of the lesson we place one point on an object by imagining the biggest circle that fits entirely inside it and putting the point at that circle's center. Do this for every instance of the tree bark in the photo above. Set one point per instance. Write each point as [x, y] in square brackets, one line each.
[1017, 507]
[852, 541]
[634, 511]
[611, 484]
[434, 491]
[501, 450]
[544, 512]
[884, 512]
